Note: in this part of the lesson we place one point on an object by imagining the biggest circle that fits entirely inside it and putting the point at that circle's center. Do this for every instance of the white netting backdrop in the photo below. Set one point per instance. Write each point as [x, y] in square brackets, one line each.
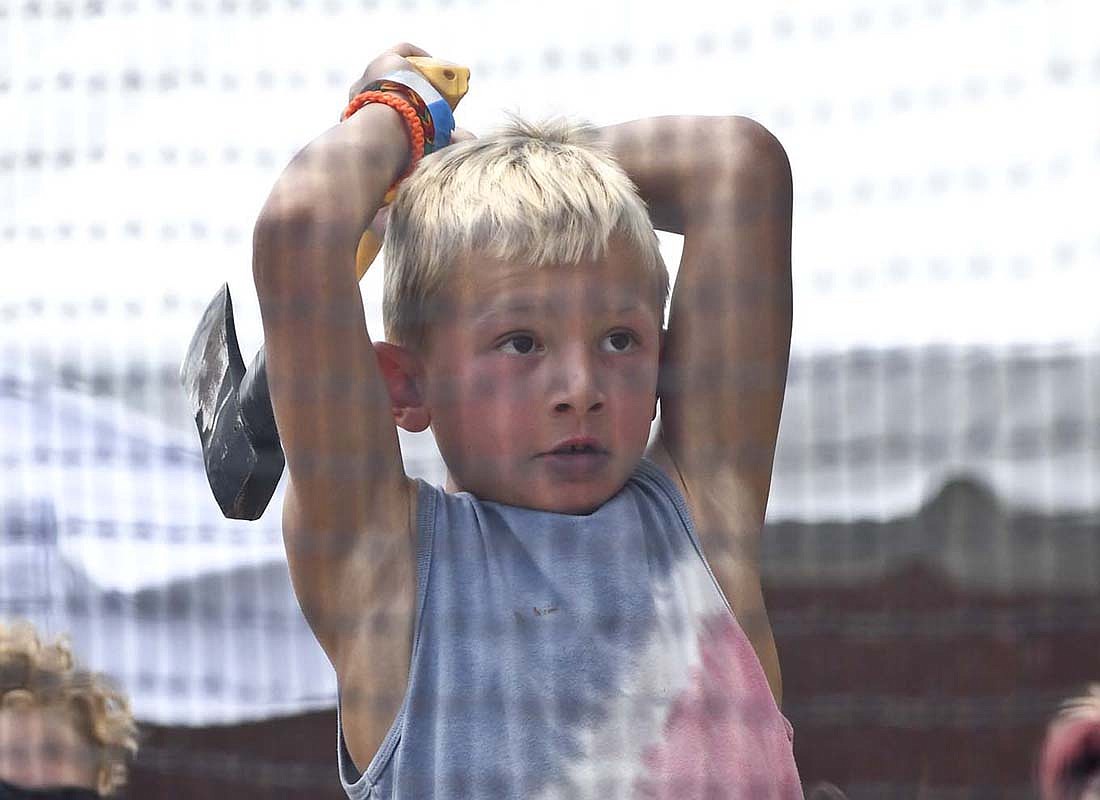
[946, 267]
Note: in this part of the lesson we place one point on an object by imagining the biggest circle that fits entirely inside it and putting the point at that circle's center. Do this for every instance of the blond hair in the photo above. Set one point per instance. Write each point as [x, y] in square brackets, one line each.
[539, 193]
[34, 675]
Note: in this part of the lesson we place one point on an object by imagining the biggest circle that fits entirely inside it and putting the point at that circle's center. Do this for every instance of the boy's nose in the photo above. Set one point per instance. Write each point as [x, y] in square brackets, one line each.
[577, 385]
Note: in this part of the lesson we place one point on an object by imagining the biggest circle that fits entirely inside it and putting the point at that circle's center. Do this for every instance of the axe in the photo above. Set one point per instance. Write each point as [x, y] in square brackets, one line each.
[232, 405]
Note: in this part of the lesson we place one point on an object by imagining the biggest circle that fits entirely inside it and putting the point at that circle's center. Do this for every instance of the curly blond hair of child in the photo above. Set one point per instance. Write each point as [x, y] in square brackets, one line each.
[43, 680]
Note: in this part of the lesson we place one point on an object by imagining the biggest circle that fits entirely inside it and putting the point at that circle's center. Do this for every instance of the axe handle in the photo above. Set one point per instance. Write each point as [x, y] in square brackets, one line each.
[365, 253]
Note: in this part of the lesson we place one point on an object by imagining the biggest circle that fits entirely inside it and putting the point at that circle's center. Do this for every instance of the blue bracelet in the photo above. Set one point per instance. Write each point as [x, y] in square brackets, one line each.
[442, 116]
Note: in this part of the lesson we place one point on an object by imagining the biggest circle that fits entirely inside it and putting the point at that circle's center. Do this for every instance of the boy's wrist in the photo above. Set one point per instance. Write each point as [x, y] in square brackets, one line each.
[383, 129]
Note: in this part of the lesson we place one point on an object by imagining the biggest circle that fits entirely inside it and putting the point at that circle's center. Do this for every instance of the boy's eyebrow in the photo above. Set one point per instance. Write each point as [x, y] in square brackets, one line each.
[553, 306]
[492, 311]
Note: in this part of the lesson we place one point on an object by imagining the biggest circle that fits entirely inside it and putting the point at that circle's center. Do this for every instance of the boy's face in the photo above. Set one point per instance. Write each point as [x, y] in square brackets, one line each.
[40, 747]
[541, 382]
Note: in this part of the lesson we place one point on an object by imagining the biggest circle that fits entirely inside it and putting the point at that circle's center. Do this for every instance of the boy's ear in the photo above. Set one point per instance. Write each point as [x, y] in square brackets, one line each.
[401, 371]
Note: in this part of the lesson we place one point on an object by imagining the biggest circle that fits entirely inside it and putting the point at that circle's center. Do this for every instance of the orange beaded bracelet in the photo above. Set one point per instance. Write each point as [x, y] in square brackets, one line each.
[413, 126]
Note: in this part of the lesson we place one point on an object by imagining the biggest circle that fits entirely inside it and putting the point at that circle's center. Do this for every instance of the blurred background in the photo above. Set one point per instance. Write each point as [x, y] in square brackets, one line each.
[932, 558]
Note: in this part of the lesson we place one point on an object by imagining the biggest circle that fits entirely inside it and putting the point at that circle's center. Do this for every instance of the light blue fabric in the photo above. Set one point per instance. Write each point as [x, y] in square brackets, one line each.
[530, 627]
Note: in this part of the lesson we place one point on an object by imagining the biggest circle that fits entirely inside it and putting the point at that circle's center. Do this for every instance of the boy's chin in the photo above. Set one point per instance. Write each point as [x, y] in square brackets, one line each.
[574, 498]
[578, 507]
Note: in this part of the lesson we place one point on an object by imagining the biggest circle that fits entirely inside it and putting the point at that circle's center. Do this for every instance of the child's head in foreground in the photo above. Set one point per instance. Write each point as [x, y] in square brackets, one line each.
[524, 280]
[1069, 762]
[60, 726]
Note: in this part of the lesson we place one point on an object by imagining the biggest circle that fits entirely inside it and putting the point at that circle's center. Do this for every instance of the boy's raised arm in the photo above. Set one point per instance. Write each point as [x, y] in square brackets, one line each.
[725, 184]
[346, 514]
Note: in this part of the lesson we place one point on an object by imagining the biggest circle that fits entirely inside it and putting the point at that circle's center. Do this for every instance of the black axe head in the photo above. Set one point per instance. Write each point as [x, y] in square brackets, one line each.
[232, 407]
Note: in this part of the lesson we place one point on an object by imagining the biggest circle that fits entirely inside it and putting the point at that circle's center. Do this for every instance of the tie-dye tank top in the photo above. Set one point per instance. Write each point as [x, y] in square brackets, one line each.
[560, 656]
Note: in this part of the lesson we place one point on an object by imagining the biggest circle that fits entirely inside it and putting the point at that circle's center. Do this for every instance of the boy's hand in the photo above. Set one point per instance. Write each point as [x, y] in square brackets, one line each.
[461, 135]
[394, 60]
[388, 61]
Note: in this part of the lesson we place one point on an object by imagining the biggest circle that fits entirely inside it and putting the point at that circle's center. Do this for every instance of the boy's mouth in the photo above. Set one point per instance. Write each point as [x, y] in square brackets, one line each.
[577, 446]
[577, 459]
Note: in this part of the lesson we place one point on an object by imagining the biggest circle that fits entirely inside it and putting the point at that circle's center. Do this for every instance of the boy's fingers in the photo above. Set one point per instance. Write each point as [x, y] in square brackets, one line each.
[378, 224]
[405, 49]
[389, 60]
[461, 135]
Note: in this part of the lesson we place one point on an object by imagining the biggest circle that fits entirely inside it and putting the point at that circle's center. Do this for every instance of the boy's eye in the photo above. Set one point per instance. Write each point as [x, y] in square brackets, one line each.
[521, 344]
[618, 342]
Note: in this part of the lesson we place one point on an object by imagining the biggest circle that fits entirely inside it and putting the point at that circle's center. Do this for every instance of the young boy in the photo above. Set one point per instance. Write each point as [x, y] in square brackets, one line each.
[64, 732]
[548, 626]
